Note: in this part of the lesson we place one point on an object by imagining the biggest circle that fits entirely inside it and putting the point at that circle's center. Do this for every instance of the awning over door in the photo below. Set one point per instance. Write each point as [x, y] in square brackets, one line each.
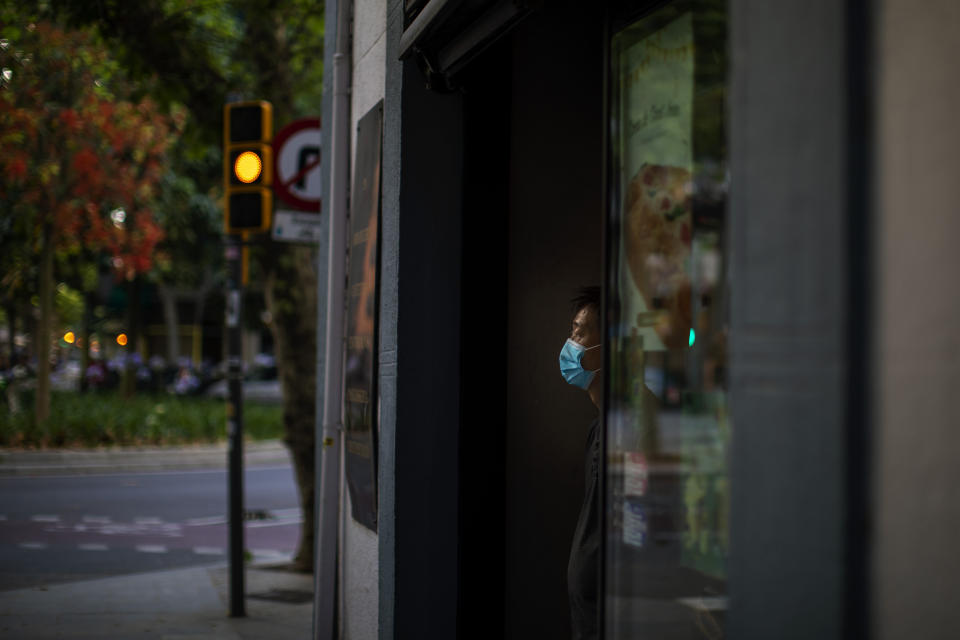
[444, 35]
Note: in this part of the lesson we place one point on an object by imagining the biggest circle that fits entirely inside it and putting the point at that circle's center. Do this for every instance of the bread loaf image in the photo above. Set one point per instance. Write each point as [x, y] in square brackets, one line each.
[657, 232]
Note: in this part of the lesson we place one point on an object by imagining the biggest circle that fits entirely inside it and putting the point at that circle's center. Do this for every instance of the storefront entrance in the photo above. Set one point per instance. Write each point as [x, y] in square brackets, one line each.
[551, 206]
[583, 148]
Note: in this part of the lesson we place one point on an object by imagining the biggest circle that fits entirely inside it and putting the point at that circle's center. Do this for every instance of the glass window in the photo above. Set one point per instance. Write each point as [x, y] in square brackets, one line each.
[667, 431]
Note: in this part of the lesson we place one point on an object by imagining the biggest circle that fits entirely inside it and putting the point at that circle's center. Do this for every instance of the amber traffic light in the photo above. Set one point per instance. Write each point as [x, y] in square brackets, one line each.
[247, 166]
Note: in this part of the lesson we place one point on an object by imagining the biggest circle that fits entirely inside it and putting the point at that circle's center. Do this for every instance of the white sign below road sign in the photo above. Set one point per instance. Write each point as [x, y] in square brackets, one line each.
[296, 226]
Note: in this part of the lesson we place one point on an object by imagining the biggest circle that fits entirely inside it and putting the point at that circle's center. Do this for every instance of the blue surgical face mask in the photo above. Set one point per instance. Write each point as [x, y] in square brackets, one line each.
[570, 367]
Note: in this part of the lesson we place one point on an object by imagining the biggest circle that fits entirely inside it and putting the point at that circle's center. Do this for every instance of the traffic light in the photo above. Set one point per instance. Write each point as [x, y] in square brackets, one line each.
[247, 166]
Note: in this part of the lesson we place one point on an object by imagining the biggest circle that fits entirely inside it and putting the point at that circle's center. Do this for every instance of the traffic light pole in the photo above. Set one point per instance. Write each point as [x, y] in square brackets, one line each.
[247, 208]
[235, 422]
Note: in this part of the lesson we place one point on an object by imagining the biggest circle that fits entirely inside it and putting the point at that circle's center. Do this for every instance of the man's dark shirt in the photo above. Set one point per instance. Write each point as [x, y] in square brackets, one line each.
[582, 571]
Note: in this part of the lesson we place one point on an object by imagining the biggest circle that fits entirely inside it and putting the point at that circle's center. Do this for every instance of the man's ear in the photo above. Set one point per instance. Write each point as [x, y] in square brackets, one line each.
[592, 359]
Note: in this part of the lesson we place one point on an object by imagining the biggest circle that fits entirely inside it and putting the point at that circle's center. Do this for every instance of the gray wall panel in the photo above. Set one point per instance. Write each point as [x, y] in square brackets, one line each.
[916, 563]
[788, 319]
[389, 274]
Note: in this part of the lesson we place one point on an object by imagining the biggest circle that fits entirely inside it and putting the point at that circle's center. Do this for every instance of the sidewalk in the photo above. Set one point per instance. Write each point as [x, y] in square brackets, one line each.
[15, 462]
[179, 604]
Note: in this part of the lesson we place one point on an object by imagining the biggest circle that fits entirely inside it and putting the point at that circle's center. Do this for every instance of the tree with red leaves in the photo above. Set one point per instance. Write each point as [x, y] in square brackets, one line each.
[80, 164]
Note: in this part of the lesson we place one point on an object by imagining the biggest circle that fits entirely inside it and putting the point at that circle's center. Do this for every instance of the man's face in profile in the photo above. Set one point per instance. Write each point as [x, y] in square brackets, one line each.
[585, 331]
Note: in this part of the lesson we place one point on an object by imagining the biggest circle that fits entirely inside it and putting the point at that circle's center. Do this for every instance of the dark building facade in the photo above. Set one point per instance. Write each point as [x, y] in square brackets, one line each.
[763, 193]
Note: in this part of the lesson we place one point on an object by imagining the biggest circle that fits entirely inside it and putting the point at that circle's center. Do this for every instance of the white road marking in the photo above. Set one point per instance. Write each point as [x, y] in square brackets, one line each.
[170, 530]
[93, 547]
[272, 523]
[277, 517]
[171, 472]
[208, 551]
[45, 518]
[33, 545]
[151, 548]
[270, 554]
[148, 520]
[80, 527]
[97, 519]
[202, 522]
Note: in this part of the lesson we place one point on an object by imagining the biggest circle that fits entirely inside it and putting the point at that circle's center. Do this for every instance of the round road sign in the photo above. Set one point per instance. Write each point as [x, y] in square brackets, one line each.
[296, 164]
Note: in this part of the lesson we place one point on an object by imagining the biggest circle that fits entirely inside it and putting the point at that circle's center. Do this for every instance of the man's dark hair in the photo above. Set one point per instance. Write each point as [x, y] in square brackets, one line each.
[586, 297]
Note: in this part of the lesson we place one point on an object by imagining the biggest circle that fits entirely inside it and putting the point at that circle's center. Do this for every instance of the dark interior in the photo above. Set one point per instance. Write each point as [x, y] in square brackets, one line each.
[531, 236]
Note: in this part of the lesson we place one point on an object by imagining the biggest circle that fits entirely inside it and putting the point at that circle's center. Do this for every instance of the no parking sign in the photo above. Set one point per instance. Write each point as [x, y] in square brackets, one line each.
[297, 181]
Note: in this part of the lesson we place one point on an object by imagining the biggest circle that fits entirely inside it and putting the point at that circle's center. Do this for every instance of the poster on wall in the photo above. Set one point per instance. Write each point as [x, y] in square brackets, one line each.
[669, 126]
[361, 412]
[667, 433]
[656, 163]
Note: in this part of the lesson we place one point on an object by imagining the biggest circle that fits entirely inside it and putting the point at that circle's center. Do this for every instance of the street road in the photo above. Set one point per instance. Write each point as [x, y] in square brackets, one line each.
[65, 528]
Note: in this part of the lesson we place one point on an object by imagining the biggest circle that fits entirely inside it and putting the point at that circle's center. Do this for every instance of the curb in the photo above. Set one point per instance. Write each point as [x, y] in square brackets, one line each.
[137, 459]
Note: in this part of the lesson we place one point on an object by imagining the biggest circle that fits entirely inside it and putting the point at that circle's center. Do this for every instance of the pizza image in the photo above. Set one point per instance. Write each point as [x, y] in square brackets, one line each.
[657, 231]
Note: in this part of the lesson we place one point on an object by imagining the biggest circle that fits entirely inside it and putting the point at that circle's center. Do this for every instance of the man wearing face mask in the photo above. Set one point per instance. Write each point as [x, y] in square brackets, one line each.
[580, 362]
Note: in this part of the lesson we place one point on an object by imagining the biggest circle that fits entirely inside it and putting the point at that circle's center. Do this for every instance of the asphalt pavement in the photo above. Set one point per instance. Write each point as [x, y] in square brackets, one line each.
[131, 543]
[67, 527]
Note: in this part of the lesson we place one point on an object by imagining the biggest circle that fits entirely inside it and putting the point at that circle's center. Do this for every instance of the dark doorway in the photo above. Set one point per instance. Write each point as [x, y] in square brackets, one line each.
[531, 236]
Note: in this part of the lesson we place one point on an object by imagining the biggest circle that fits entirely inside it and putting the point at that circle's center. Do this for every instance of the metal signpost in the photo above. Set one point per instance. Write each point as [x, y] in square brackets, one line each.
[235, 424]
[248, 208]
[251, 158]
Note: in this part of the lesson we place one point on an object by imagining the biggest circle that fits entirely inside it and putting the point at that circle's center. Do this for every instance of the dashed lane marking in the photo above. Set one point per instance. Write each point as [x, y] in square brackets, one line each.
[148, 520]
[293, 512]
[276, 517]
[201, 522]
[208, 551]
[169, 530]
[45, 518]
[273, 523]
[260, 554]
[151, 548]
[97, 519]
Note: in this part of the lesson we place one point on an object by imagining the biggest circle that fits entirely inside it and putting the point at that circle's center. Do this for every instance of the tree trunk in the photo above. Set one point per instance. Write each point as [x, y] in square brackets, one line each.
[201, 300]
[128, 381]
[11, 309]
[290, 272]
[291, 295]
[85, 338]
[168, 298]
[44, 330]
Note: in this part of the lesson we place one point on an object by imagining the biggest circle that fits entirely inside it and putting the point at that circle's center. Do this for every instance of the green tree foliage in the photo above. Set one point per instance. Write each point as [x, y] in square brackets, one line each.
[80, 162]
[193, 226]
[199, 54]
